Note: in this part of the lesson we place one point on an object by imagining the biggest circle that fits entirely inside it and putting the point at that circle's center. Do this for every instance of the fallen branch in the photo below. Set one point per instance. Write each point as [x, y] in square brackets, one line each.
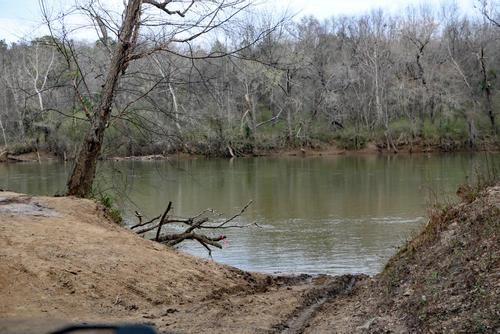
[201, 221]
[139, 216]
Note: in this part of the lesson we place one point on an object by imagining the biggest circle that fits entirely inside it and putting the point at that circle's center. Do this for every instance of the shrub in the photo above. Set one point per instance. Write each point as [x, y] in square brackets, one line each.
[402, 131]
[22, 148]
[351, 139]
[107, 202]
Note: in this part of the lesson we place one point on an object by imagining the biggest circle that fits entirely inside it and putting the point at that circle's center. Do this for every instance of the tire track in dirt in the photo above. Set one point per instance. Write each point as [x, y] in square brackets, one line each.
[299, 320]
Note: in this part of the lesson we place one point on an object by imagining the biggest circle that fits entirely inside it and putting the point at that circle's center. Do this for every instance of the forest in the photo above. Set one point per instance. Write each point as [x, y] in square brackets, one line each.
[427, 77]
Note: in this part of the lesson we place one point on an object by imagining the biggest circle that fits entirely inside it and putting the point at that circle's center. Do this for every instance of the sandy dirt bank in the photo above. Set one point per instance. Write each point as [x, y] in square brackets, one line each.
[62, 261]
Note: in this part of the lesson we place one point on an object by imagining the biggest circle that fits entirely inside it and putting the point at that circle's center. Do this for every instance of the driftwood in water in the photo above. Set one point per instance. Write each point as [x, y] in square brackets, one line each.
[194, 226]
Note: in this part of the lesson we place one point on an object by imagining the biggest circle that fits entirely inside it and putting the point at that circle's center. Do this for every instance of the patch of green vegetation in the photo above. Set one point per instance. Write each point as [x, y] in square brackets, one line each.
[451, 128]
[21, 148]
[109, 206]
[434, 277]
[321, 131]
[402, 131]
[483, 179]
[351, 139]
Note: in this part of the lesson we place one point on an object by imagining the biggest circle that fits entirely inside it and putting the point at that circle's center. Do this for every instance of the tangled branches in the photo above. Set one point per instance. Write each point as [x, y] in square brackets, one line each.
[201, 221]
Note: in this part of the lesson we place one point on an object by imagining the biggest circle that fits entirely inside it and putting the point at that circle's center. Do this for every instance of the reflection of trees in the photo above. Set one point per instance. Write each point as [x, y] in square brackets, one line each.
[33, 178]
[352, 186]
[317, 210]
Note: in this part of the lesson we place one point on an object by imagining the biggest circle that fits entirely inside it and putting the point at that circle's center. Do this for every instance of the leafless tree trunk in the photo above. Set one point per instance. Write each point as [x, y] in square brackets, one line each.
[248, 117]
[469, 115]
[487, 89]
[171, 92]
[288, 104]
[3, 132]
[34, 73]
[378, 103]
[208, 16]
[82, 177]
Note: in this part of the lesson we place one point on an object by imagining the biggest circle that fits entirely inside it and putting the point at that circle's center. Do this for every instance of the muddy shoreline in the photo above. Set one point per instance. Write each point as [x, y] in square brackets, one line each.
[324, 151]
[62, 261]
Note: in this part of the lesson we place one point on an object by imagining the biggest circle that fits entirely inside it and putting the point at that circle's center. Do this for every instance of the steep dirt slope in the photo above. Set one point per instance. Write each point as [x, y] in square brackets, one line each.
[447, 279]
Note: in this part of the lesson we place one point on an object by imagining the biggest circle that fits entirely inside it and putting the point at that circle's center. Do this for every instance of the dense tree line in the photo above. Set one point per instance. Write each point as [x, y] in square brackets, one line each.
[425, 77]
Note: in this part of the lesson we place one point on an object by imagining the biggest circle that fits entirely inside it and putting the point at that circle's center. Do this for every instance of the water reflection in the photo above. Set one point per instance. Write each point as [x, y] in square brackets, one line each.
[320, 215]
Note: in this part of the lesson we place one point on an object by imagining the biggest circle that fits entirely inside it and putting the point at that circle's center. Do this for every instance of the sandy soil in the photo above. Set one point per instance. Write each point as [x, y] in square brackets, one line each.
[62, 261]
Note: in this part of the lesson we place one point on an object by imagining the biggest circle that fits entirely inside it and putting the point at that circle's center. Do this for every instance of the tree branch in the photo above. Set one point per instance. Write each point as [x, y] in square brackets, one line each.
[163, 6]
[194, 223]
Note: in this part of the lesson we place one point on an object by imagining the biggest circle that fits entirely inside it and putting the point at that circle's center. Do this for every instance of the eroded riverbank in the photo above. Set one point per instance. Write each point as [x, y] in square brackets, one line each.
[63, 261]
[320, 150]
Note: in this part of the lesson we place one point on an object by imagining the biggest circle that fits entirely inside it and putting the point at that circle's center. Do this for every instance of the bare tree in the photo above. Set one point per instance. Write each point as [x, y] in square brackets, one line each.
[487, 75]
[150, 17]
[490, 11]
[419, 30]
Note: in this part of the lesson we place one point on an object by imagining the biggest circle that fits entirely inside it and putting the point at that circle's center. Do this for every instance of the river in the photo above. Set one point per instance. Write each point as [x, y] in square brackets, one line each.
[333, 215]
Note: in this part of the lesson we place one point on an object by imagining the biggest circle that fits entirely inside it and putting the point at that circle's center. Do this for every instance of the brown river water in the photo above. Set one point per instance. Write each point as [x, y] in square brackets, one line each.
[333, 215]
